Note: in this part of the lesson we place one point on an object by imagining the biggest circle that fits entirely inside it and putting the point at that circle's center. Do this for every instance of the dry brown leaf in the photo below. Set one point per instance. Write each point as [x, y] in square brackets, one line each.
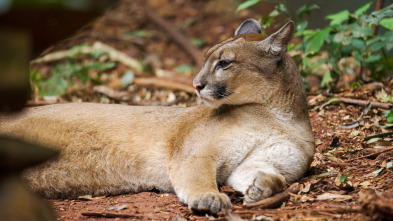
[333, 196]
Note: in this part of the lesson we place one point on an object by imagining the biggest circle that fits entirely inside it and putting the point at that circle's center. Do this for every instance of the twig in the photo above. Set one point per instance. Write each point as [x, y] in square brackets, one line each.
[341, 209]
[179, 39]
[109, 92]
[355, 123]
[378, 6]
[163, 83]
[371, 155]
[274, 201]
[113, 54]
[33, 103]
[357, 102]
[111, 215]
[364, 103]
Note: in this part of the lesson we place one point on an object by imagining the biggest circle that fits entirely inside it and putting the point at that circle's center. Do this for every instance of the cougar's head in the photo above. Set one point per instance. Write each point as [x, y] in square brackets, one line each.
[244, 68]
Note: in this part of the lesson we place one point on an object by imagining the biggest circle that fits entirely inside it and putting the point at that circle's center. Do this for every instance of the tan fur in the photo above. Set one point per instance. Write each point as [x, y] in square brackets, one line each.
[256, 137]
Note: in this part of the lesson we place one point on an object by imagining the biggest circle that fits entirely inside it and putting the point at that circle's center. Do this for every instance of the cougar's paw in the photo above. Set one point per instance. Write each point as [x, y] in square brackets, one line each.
[264, 186]
[211, 202]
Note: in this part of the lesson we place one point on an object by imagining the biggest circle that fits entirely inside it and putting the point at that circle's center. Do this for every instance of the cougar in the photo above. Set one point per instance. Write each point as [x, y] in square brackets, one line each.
[251, 132]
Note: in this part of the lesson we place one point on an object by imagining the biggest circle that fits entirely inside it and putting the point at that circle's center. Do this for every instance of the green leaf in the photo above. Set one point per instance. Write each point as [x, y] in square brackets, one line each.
[274, 13]
[301, 26]
[376, 16]
[95, 54]
[373, 58]
[282, 7]
[387, 23]
[378, 135]
[306, 9]
[373, 140]
[141, 34]
[389, 115]
[377, 172]
[82, 75]
[377, 46]
[198, 42]
[317, 40]
[338, 18]
[359, 44]
[343, 178]
[185, 69]
[127, 78]
[246, 4]
[361, 32]
[326, 79]
[363, 9]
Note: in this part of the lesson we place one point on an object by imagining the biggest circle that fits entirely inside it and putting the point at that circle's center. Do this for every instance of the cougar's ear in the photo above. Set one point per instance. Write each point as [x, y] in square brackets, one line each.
[249, 26]
[276, 44]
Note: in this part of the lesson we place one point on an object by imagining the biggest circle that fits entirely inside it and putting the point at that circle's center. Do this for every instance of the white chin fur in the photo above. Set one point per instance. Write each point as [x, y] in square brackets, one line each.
[211, 103]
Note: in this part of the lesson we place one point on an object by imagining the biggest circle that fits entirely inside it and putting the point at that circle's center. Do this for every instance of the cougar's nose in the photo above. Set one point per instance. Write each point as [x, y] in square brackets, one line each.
[199, 86]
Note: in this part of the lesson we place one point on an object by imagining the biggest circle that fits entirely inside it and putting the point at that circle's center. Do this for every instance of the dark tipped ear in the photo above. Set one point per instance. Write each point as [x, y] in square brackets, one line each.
[276, 44]
[249, 26]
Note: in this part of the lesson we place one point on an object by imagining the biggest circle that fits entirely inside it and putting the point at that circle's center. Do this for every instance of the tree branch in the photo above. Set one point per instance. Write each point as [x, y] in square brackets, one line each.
[179, 39]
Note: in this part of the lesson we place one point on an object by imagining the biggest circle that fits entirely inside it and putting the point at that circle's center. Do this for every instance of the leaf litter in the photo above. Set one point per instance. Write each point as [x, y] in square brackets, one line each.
[351, 177]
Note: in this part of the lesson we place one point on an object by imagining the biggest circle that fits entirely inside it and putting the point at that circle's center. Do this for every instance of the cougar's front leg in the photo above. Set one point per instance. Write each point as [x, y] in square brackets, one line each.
[194, 181]
[256, 181]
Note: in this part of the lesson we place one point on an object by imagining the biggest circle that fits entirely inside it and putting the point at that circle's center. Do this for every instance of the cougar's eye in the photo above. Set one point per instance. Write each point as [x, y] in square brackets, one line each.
[224, 64]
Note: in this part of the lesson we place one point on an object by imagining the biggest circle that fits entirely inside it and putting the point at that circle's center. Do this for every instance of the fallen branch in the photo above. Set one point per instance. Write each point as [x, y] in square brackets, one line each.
[371, 155]
[163, 83]
[179, 39]
[364, 103]
[113, 54]
[109, 92]
[274, 201]
[111, 215]
[32, 103]
[337, 209]
[357, 102]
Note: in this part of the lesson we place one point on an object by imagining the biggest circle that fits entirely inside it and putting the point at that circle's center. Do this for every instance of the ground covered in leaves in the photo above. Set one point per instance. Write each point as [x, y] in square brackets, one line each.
[351, 177]
[344, 168]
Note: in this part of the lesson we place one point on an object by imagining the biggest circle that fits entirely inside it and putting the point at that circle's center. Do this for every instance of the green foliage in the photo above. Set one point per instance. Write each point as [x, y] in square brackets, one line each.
[306, 9]
[376, 16]
[389, 115]
[268, 20]
[185, 69]
[68, 72]
[349, 35]
[339, 17]
[247, 4]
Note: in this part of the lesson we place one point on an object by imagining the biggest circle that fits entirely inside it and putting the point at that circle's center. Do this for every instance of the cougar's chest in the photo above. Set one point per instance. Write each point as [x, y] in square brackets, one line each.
[236, 147]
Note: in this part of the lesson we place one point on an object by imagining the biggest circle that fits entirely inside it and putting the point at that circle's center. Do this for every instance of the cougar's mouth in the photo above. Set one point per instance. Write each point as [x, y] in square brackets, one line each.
[214, 95]
[220, 92]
